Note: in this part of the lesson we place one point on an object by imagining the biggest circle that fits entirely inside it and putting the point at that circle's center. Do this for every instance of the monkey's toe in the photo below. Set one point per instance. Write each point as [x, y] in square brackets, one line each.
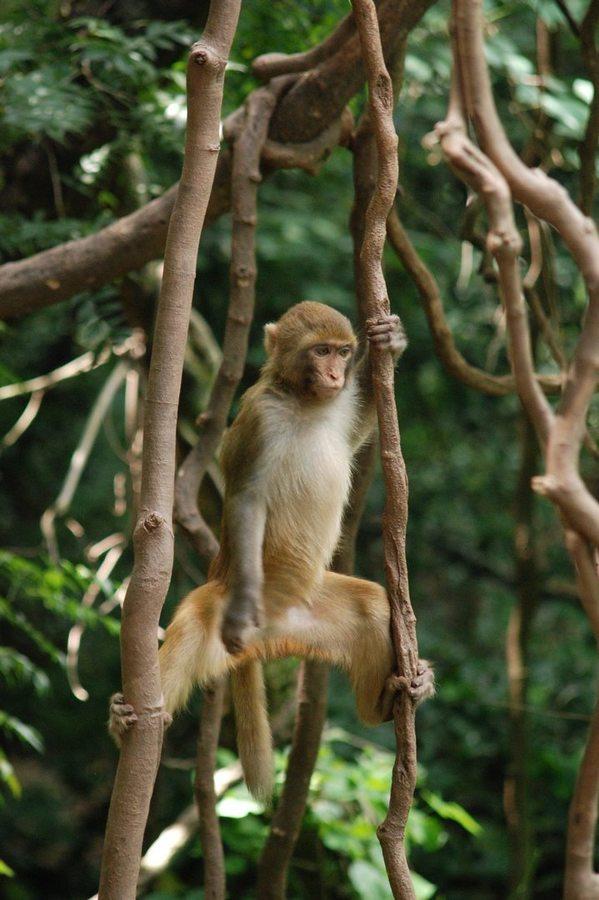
[423, 685]
[121, 716]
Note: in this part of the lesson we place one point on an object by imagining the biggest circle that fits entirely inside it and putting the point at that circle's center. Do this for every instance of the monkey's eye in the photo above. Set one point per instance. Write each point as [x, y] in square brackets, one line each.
[344, 352]
[322, 350]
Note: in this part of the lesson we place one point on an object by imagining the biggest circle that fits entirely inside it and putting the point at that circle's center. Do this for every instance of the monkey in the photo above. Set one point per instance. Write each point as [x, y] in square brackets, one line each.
[287, 465]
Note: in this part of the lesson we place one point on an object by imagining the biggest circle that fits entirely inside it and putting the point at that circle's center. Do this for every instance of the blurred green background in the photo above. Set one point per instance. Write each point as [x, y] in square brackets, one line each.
[92, 117]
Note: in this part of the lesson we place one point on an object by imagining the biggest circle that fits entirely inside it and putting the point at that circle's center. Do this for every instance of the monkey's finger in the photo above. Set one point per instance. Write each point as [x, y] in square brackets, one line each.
[382, 320]
[121, 707]
[381, 338]
[388, 334]
[384, 328]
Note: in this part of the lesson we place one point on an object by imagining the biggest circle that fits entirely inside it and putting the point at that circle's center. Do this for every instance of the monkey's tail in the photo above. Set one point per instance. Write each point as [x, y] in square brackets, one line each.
[254, 738]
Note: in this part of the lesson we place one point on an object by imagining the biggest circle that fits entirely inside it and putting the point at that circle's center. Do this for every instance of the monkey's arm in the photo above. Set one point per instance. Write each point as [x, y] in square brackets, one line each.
[244, 523]
[384, 334]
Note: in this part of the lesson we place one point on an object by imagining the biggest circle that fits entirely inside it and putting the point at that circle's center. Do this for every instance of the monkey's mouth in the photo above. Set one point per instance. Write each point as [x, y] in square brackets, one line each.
[326, 391]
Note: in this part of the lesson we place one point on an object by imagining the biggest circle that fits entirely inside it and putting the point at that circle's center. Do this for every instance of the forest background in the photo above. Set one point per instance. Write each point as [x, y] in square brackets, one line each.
[92, 110]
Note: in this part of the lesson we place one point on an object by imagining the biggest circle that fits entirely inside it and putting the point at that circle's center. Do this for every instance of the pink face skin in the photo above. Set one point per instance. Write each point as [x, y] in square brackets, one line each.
[327, 366]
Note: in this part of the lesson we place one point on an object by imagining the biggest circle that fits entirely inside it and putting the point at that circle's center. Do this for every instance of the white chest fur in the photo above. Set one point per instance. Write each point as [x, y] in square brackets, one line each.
[306, 469]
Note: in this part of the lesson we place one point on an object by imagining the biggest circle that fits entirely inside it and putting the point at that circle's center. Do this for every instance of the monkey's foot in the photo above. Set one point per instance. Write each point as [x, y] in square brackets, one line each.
[238, 630]
[420, 688]
[121, 717]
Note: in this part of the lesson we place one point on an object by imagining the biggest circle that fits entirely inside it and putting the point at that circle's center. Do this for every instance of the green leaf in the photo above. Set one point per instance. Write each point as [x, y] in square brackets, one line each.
[449, 810]
[8, 776]
[368, 881]
[25, 733]
[422, 888]
[6, 870]
[45, 103]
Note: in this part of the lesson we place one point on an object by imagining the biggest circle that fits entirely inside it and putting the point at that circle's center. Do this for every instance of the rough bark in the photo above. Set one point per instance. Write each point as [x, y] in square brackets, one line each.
[153, 535]
[392, 831]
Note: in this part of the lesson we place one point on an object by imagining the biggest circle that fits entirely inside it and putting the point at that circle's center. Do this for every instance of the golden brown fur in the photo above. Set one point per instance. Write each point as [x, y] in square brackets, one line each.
[287, 466]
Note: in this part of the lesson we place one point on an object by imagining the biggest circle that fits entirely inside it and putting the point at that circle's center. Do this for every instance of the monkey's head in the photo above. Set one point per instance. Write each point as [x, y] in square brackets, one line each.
[311, 350]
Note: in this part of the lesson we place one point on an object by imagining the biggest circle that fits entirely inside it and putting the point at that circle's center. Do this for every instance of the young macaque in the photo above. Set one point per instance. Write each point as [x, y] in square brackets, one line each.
[287, 463]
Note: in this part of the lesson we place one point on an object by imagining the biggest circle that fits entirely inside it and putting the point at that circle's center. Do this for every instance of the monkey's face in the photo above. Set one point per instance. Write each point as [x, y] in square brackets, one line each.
[327, 367]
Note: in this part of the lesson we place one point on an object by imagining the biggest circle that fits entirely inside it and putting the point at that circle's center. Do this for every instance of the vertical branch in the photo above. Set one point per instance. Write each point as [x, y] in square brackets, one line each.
[548, 200]
[392, 831]
[273, 866]
[205, 792]
[245, 177]
[516, 794]
[153, 535]
[560, 433]
[244, 188]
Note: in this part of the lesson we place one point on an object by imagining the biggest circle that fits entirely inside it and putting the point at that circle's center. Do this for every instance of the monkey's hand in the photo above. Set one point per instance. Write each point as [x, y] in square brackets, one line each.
[243, 619]
[387, 333]
[420, 688]
[122, 717]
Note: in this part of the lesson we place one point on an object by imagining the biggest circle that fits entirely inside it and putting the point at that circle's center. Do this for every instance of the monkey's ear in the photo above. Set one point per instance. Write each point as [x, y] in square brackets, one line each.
[270, 337]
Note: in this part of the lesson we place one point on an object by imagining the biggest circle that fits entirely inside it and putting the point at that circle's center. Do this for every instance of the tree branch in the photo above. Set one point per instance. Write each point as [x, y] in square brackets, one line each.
[271, 64]
[128, 244]
[213, 421]
[380, 92]
[153, 536]
[450, 356]
[560, 432]
[547, 200]
[326, 89]
[205, 791]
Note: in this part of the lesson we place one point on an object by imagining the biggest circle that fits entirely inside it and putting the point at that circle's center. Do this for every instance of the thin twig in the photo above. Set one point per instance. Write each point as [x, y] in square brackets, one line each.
[84, 363]
[76, 632]
[26, 418]
[80, 457]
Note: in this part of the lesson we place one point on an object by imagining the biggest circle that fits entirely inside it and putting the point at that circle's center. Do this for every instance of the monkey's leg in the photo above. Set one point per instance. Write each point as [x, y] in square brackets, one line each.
[347, 624]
